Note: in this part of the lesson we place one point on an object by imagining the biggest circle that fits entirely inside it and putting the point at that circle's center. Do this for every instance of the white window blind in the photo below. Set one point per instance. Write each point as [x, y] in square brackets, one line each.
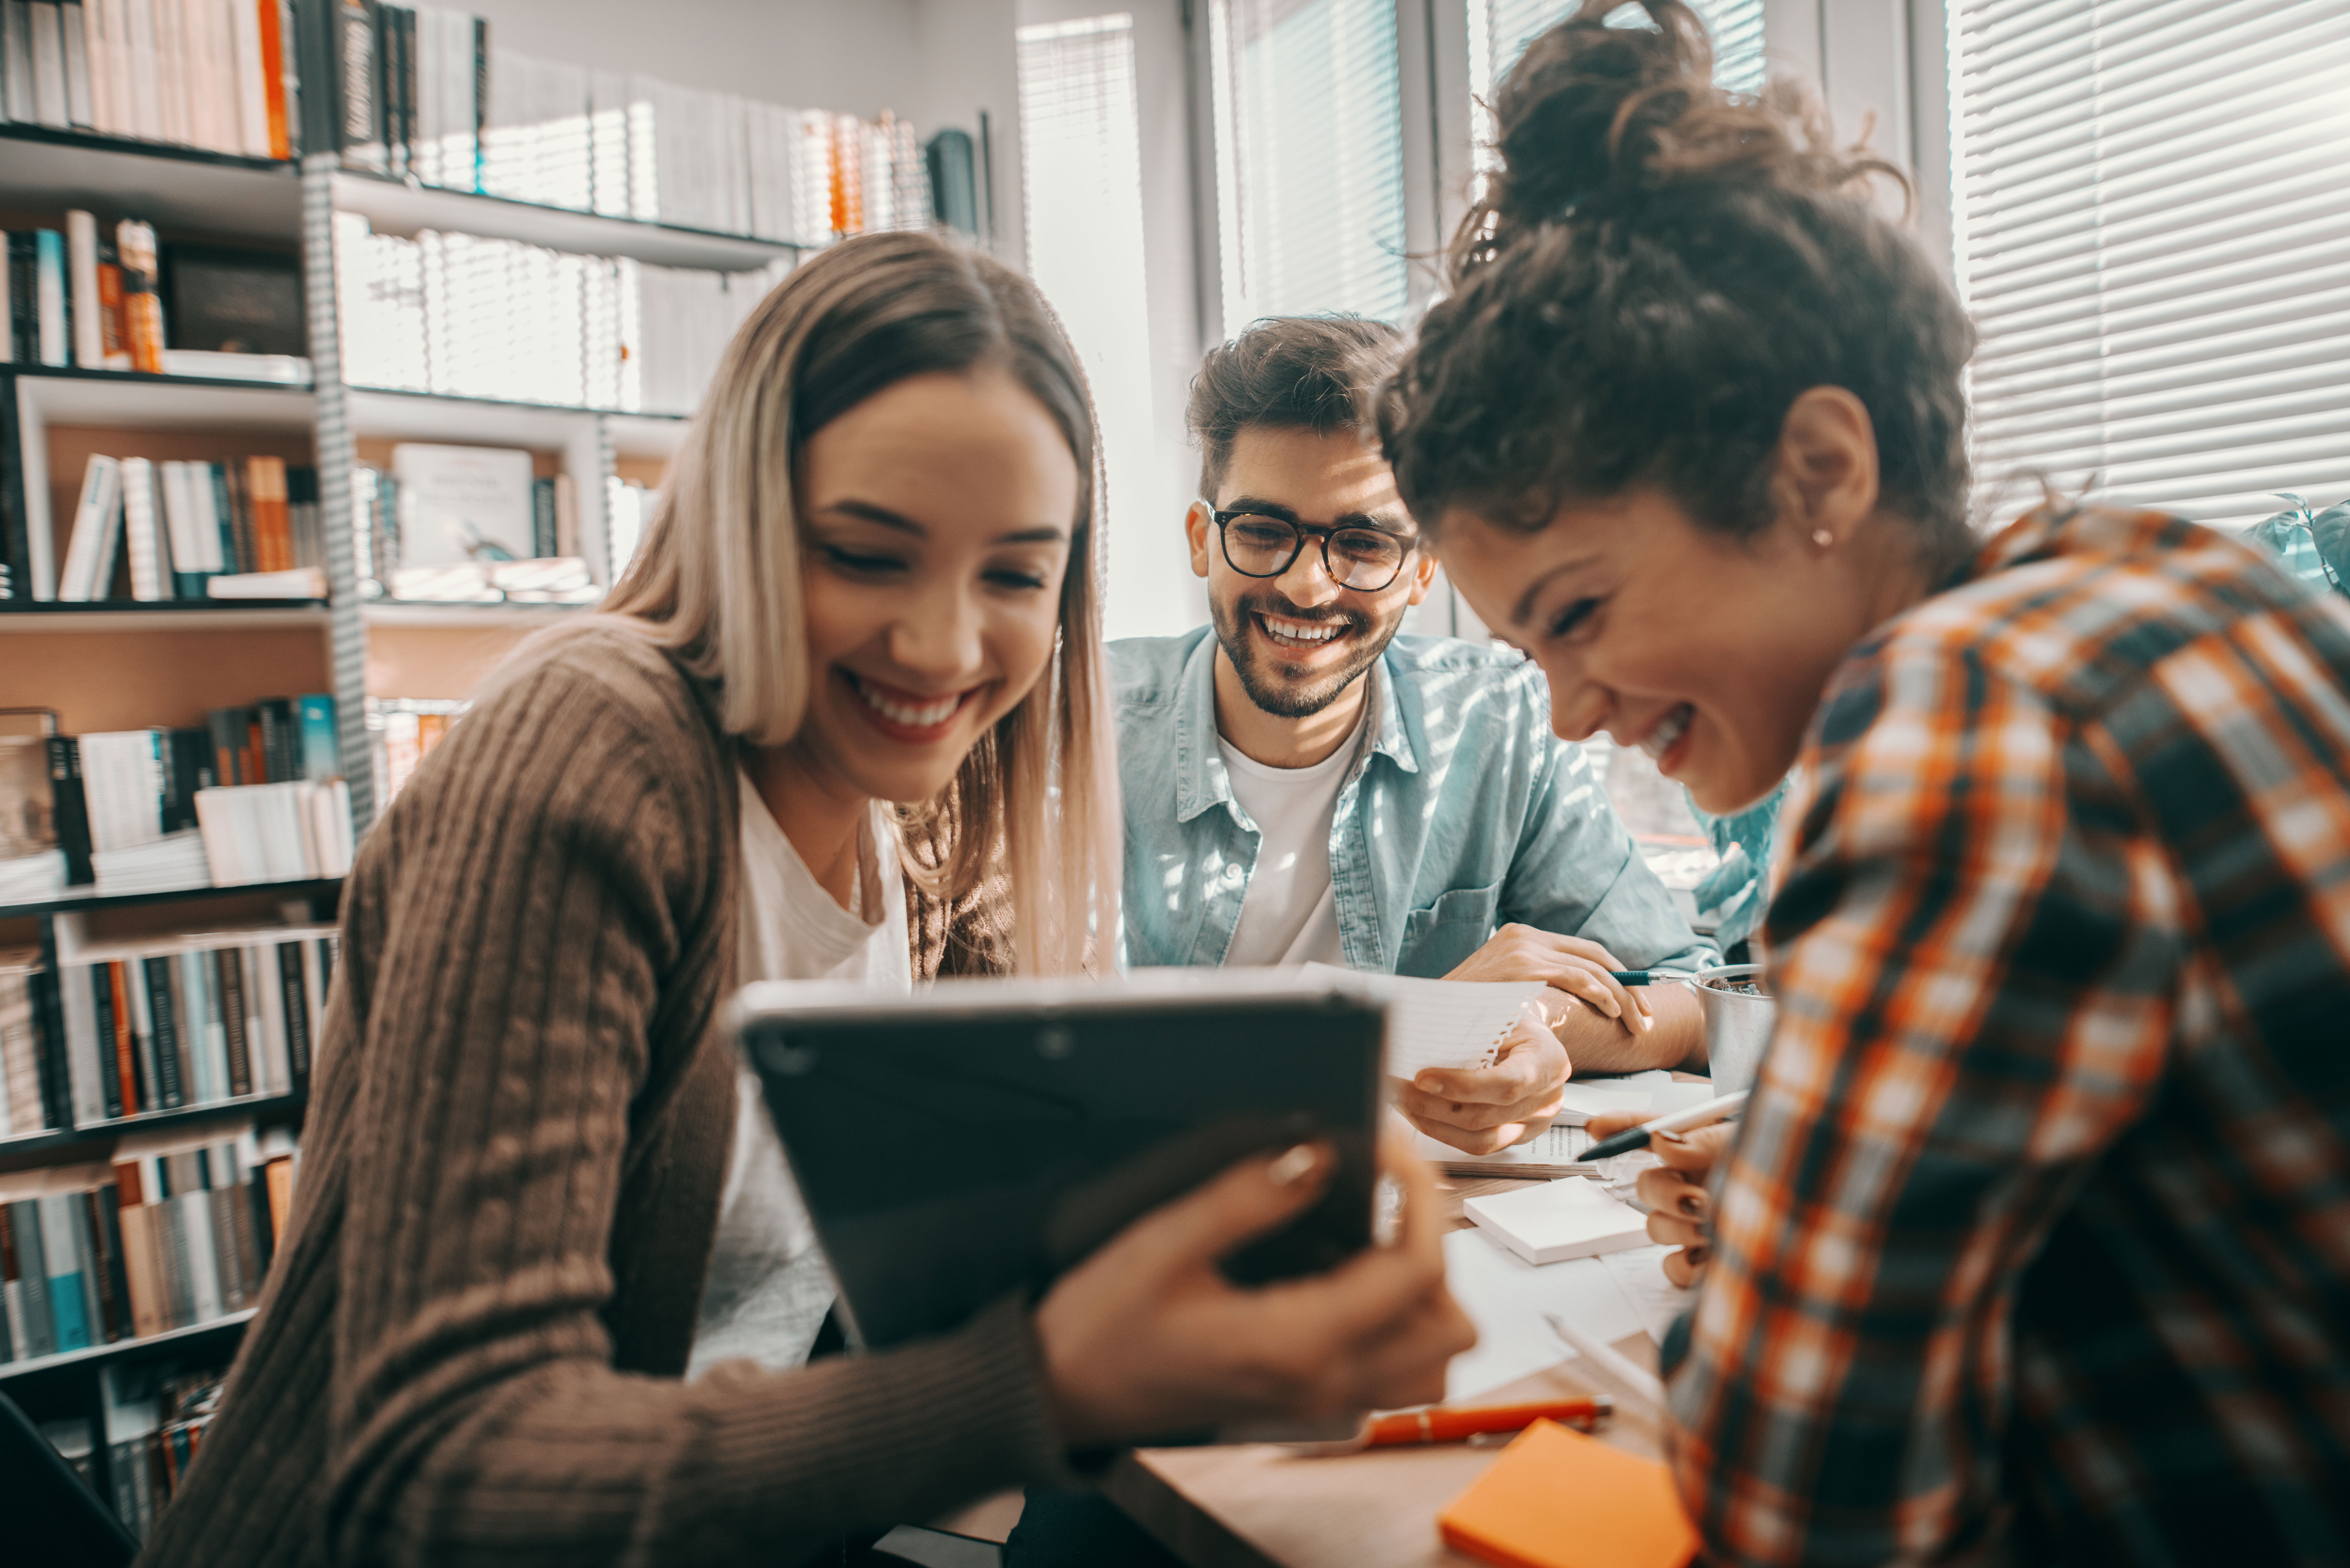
[2153, 217]
[1309, 157]
[1081, 167]
[1500, 30]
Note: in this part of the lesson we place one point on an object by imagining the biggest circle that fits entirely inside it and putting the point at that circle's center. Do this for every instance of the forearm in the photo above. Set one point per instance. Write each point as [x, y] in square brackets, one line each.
[1595, 1043]
[574, 1463]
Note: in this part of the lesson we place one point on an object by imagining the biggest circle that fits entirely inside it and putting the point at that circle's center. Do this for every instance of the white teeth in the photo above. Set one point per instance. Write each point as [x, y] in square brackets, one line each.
[1301, 634]
[912, 717]
[1659, 741]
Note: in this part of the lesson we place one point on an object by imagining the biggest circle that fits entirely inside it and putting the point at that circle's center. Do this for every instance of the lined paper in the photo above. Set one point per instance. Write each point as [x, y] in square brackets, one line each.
[1449, 1023]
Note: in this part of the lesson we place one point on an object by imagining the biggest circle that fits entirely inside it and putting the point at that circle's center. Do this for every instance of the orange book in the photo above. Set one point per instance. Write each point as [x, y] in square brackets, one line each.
[142, 307]
[272, 531]
[279, 1174]
[126, 1044]
[111, 329]
[1556, 1499]
[273, 78]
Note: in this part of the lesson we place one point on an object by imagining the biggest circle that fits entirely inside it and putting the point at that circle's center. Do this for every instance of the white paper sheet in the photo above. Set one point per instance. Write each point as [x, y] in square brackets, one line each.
[1441, 1023]
[1506, 1299]
[1656, 1300]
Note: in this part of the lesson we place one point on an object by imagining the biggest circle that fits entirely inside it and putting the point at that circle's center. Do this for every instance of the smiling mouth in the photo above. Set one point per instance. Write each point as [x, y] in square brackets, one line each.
[907, 713]
[1667, 732]
[1304, 635]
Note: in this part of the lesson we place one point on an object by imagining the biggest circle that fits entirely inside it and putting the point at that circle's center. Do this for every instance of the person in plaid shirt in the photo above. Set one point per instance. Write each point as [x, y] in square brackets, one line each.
[2034, 1243]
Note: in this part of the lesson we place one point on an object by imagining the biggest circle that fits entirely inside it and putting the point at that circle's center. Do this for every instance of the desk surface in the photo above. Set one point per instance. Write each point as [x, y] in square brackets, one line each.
[1260, 1506]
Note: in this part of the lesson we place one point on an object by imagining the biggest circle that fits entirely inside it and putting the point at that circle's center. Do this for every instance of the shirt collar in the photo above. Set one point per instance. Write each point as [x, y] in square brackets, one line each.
[1202, 781]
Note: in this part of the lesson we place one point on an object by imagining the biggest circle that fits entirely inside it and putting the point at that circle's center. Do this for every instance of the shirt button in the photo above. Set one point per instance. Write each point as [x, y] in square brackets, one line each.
[1232, 873]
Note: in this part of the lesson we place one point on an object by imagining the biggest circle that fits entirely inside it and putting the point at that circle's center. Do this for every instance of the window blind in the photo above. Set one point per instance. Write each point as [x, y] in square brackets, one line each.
[1081, 169]
[2154, 237]
[1500, 30]
[1309, 157]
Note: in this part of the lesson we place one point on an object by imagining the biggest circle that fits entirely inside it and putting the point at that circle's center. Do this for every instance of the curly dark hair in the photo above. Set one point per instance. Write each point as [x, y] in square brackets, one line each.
[1316, 373]
[1656, 273]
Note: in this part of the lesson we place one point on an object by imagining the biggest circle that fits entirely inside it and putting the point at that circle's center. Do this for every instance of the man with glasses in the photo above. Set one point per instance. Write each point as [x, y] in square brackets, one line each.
[1305, 784]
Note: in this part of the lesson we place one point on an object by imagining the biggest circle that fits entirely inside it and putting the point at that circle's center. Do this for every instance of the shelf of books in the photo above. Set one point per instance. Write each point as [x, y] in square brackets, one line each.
[341, 348]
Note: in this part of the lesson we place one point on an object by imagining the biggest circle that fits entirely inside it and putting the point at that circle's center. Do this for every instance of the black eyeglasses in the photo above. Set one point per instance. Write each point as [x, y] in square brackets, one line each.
[1364, 559]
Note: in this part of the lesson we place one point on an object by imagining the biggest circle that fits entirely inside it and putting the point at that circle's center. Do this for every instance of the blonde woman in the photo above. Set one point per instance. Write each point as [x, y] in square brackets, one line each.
[535, 1193]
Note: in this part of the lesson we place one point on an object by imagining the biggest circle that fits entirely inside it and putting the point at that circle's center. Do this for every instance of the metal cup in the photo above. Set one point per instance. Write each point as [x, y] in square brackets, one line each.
[1737, 1025]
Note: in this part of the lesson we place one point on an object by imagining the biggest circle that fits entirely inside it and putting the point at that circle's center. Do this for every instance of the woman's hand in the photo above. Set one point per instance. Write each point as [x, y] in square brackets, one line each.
[1578, 968]
[1480, 1109]
[1680, 1211]
[1147, 1336]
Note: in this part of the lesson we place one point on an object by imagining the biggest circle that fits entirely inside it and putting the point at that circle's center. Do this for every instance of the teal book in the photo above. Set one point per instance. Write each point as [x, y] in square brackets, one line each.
[322, 757]
[61, 1249]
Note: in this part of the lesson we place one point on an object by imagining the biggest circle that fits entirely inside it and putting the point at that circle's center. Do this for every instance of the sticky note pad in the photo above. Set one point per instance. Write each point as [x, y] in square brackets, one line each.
[1561, 1219]
[1556, 1499]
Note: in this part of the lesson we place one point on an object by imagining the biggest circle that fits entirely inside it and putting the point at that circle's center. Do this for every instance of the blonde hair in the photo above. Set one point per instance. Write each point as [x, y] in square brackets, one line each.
[717, 579]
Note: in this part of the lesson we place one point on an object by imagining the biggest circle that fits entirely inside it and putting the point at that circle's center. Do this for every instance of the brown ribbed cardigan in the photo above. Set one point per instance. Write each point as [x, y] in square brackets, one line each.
[470, 1347]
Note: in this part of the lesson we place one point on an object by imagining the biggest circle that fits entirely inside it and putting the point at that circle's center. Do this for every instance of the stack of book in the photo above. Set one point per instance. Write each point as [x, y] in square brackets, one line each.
[425, 96]
[30, 1101]
[156, 1415]
[163, 1023]
[294, 831]
[400, 731]
[215, 74]
[181, 528]
[467, 316]
[178, 1229]
[125, 808]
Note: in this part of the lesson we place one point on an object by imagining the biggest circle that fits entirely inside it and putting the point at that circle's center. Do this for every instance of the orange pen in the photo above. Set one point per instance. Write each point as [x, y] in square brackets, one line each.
[1459, 1423]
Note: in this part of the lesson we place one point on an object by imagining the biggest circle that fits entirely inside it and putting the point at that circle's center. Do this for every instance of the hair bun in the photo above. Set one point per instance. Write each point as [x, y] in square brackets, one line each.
[1592, 114]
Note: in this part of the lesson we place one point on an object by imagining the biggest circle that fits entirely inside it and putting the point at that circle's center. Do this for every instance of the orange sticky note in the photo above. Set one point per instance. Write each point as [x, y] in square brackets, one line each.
[1556, 1499]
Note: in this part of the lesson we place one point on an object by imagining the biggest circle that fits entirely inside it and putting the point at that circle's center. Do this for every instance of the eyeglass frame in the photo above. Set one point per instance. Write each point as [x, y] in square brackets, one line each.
[1224, 545]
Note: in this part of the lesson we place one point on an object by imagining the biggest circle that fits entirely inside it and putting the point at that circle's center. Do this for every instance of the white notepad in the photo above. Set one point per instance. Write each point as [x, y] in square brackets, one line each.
[1441, 1023]
[1570, 1217]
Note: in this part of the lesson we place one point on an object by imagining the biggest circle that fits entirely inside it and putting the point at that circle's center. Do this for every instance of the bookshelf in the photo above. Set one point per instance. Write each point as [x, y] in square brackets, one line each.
[115, 664]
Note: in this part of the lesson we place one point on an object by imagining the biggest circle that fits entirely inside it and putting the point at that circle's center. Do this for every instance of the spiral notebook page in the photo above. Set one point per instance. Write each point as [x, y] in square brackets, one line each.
[1442, 1022]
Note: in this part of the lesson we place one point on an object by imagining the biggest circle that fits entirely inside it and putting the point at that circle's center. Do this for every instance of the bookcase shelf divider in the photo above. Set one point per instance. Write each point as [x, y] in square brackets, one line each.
[336, 457]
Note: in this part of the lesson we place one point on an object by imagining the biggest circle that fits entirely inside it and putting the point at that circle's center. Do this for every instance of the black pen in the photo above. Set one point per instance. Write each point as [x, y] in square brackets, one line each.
[1631, 1138]
[1649, 976]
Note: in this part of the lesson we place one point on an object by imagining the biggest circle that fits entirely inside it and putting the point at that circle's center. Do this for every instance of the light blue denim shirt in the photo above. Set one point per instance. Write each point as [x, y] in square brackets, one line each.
[1462, 814]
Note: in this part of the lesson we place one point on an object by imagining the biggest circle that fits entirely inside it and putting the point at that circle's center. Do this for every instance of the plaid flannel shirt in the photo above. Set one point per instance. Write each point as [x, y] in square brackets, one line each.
[2035, 1243]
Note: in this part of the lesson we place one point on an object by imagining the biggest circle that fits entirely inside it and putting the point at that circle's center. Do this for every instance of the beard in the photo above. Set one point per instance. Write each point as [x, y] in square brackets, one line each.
[1280, 687]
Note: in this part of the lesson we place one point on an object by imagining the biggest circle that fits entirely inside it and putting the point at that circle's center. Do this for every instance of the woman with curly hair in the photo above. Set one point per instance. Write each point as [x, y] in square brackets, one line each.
[2034, 1242]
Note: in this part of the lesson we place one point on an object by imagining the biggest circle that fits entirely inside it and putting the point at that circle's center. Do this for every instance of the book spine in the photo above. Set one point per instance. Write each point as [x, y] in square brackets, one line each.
[51, 296]
[132, 1220]
[189, 1010]
[150, 562]
[107, 1272]
[89, 317]
[264, 987]
[321, 740]
[49, 1054]
[8, 1315]
[229, 975]
[173, 1089]
[99, 978]
[33, 1274]
[50, 94]
[297, 1015]
[142, 307]
[60, 1246]
[86, 1060]
[69, 808]
[130, 1047]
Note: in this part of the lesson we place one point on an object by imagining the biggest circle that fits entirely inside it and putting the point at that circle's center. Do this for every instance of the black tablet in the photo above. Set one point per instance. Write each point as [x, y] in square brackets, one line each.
[981, 1137]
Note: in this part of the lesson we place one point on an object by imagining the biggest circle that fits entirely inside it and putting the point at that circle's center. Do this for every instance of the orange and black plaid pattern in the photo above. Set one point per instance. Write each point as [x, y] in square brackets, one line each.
[2036, 1239]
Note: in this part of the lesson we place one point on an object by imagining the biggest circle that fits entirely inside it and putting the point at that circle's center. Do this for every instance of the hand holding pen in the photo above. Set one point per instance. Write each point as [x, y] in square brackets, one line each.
[1681, 1209]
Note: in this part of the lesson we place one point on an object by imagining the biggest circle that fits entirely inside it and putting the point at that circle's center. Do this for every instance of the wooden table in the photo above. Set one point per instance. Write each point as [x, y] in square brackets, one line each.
[1263, 1506]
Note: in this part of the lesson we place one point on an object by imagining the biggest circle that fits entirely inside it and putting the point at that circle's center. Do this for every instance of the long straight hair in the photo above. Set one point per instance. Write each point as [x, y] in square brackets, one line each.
[718, 577]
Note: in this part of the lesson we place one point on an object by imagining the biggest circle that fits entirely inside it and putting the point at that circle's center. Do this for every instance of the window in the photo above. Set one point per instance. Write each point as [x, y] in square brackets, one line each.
[1309, 157]
[2153, 206]
[1081, 165]
[1500, 30]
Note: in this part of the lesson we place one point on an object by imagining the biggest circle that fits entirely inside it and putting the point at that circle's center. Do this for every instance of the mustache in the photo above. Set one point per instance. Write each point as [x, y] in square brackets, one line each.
[1276, 605]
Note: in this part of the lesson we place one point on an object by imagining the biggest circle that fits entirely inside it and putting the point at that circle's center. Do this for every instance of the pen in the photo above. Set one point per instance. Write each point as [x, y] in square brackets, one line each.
[1631, 1138]
[1649, 976]
[1442, 1424]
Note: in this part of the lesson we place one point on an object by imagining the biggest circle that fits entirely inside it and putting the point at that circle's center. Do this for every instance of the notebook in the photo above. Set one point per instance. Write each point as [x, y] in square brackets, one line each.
[1558, 1498]
[1559, 1221]
[1446, 1024]
[1556, 1150]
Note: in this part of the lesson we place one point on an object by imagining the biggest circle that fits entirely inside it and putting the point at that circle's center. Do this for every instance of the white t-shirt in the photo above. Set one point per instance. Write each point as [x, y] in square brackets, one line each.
[1290, 914]
[768, 1288]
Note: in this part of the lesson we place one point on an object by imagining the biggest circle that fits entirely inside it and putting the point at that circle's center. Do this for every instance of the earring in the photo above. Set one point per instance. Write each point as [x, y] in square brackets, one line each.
[1823, 538]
